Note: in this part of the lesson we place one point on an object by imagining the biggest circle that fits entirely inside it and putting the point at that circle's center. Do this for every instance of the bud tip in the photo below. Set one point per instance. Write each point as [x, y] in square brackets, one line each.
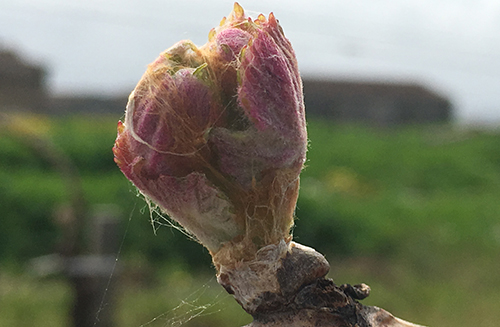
[238, 10]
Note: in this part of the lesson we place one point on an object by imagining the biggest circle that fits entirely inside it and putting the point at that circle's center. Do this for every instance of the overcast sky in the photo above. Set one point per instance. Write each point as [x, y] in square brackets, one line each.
[100, 46]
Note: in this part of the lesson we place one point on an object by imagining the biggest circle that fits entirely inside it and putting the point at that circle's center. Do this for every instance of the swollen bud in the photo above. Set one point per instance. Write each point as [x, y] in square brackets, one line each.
[216, 136]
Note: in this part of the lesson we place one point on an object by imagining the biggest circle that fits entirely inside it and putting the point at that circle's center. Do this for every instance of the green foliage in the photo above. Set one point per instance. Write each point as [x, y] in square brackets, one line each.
[27, 199]
[415, 192]
[88, 141]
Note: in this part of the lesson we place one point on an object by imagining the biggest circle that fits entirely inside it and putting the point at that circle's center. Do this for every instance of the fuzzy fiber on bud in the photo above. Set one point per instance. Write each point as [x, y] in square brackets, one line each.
[216, 136]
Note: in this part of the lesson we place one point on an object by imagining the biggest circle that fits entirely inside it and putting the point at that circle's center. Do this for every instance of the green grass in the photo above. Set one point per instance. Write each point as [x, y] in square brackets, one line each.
[26, 301]
[170, 298]
[467, 295]
[179, 298]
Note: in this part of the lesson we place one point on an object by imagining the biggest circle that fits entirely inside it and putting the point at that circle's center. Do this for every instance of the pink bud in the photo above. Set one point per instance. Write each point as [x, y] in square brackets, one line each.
[216, 136]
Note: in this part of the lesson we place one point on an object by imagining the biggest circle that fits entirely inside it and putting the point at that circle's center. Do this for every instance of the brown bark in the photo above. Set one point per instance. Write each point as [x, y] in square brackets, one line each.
[285, 285]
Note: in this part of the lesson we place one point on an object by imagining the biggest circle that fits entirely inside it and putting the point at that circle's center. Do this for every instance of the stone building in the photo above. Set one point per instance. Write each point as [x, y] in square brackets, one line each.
[382, 104]
[22, 85]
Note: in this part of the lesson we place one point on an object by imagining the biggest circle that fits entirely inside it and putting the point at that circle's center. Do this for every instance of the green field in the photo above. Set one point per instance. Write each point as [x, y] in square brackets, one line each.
[414, 212]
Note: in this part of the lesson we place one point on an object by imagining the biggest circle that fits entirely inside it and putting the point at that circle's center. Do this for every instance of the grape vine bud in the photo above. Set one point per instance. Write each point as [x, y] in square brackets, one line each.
[216, 136]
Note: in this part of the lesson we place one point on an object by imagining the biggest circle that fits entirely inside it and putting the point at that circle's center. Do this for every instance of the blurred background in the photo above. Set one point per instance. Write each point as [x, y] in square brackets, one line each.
[401, 189]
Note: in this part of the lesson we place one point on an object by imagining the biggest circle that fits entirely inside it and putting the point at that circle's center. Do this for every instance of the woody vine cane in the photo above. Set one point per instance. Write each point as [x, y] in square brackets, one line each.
[216, 137]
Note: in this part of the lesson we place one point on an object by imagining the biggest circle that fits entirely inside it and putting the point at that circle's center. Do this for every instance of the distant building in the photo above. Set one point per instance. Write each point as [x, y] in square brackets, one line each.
[88, 104]
[382, 104]
[22, 85]
[22, 88]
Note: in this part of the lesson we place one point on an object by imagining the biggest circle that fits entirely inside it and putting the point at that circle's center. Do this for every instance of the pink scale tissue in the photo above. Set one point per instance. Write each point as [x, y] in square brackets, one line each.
[216, 136]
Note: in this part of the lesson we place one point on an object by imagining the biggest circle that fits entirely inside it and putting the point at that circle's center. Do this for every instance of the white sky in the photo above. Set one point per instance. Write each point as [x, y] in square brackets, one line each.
[99, 46]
